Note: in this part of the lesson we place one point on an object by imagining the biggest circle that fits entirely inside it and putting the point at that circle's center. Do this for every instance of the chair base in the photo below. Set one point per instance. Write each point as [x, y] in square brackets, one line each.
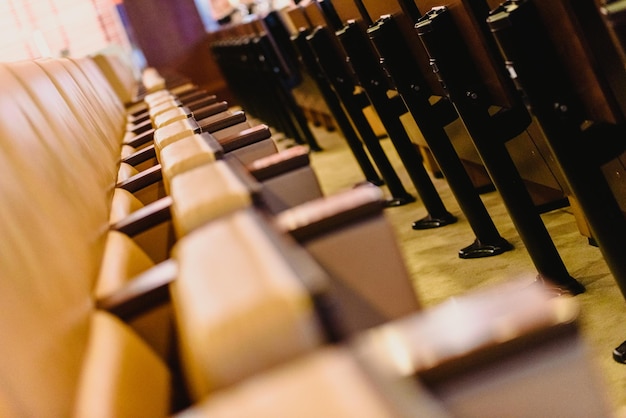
[431, 222]
[480, 249]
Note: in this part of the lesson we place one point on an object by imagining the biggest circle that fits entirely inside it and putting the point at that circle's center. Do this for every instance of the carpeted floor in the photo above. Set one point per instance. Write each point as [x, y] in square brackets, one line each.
[438, 273]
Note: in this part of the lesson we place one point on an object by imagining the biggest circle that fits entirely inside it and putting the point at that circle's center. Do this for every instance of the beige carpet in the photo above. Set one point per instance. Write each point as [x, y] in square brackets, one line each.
[431, 257]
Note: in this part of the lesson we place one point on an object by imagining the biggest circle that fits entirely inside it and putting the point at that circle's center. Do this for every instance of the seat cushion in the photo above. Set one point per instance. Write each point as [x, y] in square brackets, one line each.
[123, 204]
[125, 172]
[121, 376]
[123, 259]
[170, 116]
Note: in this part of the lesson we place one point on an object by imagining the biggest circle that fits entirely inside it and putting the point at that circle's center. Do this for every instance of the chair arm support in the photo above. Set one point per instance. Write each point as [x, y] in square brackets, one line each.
[317, 217]
[209, 110]
[144, 292]
[141, 139]
[143, 179]
[142, 127]
[279, 163]
[235, 118]
[140, 156]
[145, 218]
[246, 137]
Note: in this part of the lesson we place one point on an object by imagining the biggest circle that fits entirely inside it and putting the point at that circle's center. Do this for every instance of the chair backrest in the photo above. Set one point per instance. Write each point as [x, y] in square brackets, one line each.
[61, 130]
[107, 95]
[73, 151]
[119, 75]
[52, 242]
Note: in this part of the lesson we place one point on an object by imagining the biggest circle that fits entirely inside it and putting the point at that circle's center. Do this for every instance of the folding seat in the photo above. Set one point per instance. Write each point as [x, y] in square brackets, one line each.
[348, 235]
[251, 312]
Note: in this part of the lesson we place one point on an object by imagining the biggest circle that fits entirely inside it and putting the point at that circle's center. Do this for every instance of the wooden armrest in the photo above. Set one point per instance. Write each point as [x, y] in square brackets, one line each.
[210, 110]
[144, 292]
[196, 103]
[236, 117]
[138, 112]
[245, 137]
[279, 163]
[145, 218]
[142, 127]
[313, 218]
[142, 139]
[140, 118]
[140, 156]
[142, 179]
[193, 95]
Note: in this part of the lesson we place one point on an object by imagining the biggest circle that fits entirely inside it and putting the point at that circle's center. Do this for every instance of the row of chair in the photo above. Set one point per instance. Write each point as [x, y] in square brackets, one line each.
[268, 299]
[391, 50]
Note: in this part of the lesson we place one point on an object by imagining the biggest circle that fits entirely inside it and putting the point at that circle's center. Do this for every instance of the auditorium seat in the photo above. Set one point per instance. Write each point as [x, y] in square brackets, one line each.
[248, 314]
[56, 192]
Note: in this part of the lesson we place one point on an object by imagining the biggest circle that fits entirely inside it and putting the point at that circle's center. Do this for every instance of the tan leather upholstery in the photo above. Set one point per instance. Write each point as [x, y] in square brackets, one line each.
[152, 80]
[119, 75]
[248, 314]
[170, 116]
[123, 203]
[174, 132]
[166, 105]
[184, 155]
[204, 194]
[123, 259]
[121, 376]
[59, 157]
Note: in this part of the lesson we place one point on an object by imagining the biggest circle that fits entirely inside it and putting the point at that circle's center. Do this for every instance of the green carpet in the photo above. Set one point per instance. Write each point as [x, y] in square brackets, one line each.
[438, 274]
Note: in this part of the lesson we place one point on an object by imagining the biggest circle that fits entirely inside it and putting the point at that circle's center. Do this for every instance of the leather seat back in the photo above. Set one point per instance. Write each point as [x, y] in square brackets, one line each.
[119, 75]
[52, 241]
[58, 174]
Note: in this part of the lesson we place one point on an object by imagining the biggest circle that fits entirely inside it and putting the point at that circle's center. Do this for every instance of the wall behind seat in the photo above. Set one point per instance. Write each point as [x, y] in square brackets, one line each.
[172, 37]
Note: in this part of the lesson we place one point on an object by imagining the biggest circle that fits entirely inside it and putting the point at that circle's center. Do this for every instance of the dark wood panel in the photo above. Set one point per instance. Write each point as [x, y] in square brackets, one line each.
[590, 57]
[347, 10]
[470, 16]
[377, 8]
[172, 37]
[165, 30]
